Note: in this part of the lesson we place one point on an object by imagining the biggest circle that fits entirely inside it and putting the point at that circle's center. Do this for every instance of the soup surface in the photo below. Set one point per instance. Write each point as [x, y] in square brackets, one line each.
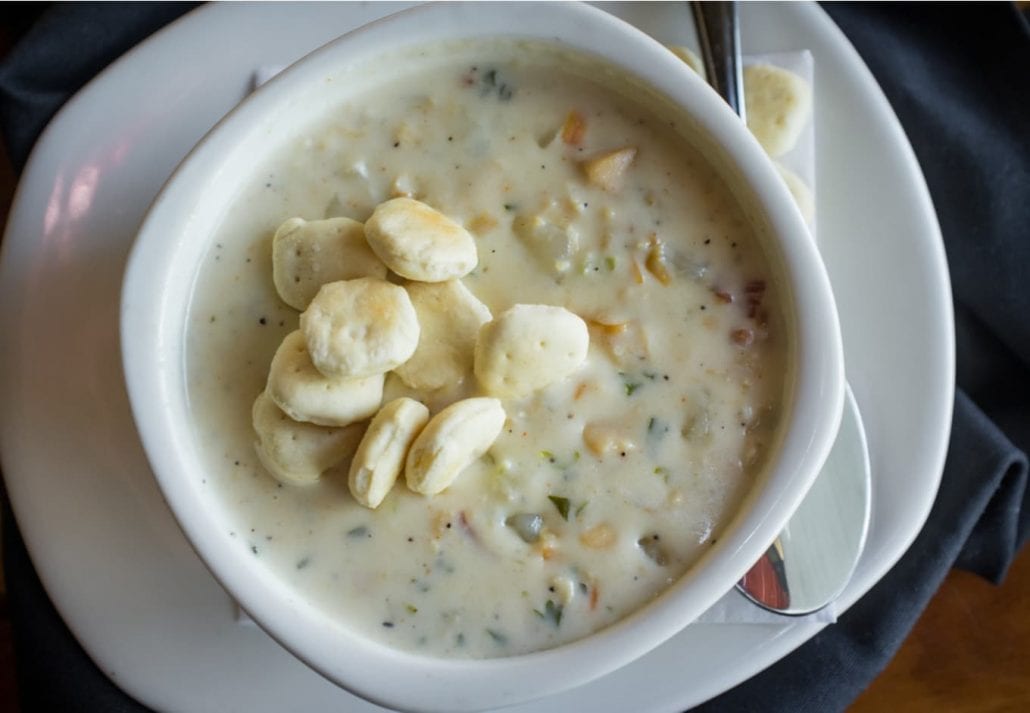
[603, 488]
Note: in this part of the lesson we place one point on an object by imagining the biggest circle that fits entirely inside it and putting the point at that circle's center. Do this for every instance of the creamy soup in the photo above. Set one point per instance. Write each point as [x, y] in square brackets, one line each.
[603, 488]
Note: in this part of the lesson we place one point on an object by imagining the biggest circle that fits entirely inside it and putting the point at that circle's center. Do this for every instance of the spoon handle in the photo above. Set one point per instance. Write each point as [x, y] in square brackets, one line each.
[719, 36]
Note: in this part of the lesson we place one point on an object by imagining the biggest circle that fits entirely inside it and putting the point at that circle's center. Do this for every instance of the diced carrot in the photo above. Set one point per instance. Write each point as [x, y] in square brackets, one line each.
[638, 275]
[574, 128]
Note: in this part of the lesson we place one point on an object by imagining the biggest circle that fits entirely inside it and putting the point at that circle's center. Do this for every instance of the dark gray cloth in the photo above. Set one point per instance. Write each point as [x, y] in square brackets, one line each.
[955, 75]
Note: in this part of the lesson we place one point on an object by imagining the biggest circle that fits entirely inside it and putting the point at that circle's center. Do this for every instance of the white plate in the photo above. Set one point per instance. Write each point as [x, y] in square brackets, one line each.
[107, 549]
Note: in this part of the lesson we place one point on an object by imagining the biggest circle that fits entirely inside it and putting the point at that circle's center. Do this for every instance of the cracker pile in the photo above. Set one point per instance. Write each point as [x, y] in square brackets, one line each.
[327, 378]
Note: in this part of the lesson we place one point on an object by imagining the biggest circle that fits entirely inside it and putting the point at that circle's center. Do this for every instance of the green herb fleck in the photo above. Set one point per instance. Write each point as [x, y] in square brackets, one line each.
[499, 638]
[303, 563]
[492, 82]
[359, 531]
[629, 383]
[562, 504]
[552, 613]
[511, 207]
[581, 508]
[659, 470]
[547, 455]
[254, 549]
[412, 609]
[656, 428]
[459, 640]
[609, 262]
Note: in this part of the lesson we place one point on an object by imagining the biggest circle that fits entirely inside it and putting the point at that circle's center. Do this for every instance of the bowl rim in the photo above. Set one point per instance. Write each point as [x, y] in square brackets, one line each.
[151, 330]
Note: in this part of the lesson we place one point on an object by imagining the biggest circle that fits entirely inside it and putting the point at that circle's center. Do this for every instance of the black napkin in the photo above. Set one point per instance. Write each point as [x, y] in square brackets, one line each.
[956, 76]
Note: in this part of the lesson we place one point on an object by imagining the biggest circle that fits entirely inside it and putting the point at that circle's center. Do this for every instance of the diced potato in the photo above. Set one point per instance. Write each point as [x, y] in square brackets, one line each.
[599, 537]
[614, 328]
[402, 186]
[482, 223]
[657, 263]
[608, 169]
[547, 545]
[624, 343]
[553, 240]
[605, 438]
[564, 587]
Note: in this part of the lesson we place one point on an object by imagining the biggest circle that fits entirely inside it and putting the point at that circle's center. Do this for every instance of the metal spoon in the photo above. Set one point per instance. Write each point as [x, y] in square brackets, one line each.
[809, 564]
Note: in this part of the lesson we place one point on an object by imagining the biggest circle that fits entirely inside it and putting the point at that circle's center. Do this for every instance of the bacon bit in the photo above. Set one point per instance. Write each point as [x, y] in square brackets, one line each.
[594, 594]
[743, 338]
[656, 262]
[755, 287]
[466, 527]
[722, 295]
[598, 537]
[574, 129]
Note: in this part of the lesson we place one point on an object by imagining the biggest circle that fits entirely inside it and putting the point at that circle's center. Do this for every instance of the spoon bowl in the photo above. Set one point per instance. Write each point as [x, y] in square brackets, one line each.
[812, 560]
